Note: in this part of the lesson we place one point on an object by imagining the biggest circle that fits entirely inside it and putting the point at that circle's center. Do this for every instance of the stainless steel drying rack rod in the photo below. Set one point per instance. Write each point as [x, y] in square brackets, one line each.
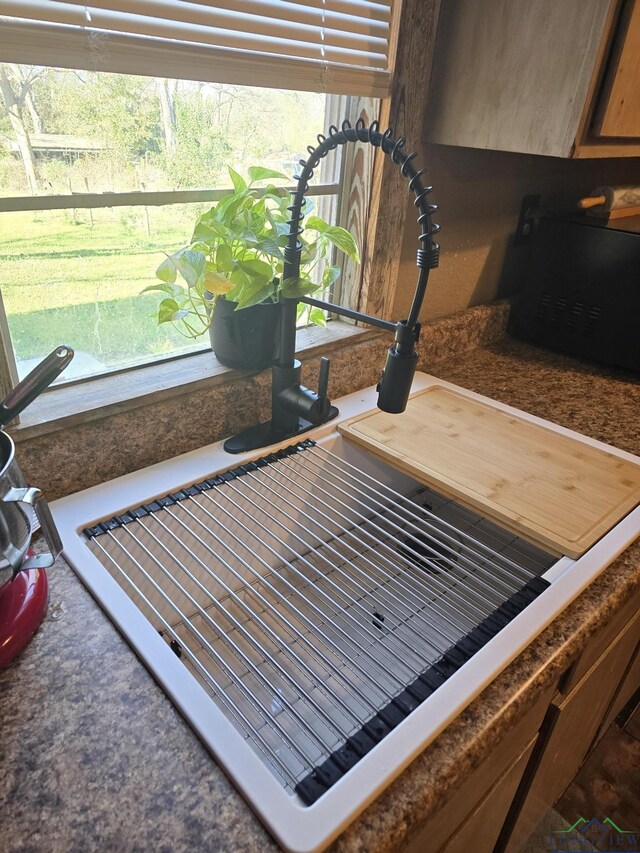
[367, 632]
[234, 646]
[236, 713]
[479, 569]
[392, 598]
[476, 547]
[371, 560]
[389, 606]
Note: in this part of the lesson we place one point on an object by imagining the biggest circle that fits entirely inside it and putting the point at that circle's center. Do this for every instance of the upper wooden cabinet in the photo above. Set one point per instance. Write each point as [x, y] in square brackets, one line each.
[538, 77]
[619, 107]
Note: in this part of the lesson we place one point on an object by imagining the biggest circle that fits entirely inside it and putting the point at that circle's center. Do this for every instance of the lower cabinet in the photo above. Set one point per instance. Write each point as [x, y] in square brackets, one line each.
[481, 829]
[629, 686]
[494, 778]
[498, 804]
[568, 731]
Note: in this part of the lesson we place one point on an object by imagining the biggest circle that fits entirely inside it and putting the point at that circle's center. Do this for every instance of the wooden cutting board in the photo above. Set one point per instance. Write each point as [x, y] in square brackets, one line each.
[555, 490]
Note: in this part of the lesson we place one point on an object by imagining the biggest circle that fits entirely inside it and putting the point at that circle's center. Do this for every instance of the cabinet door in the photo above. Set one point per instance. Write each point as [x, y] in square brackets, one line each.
[620, 103]
[570, 730]
[599, 643]
[626, 690]
[471, 790]
[514, 75]
[481, 829]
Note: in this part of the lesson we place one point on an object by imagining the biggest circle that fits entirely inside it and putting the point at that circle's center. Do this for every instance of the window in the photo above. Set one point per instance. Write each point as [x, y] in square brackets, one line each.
[102, 171]
[114, 161]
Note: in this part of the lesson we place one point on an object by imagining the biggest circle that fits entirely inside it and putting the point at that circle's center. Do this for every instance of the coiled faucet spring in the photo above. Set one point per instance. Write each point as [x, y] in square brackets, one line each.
[428, 253]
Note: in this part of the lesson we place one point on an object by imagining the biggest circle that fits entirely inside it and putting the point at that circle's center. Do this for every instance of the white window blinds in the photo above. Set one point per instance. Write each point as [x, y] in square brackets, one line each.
[337, 46]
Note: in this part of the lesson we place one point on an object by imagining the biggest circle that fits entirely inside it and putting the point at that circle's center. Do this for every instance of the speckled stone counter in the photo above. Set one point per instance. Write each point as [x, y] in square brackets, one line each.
[93, 756]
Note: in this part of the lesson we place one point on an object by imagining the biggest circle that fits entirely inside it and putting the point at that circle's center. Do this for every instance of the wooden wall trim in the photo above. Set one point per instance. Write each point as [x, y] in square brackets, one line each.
[415, 23]
[357, 169]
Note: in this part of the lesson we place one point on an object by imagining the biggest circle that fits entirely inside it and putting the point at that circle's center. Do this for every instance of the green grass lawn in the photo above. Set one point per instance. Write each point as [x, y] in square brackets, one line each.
[64, 281]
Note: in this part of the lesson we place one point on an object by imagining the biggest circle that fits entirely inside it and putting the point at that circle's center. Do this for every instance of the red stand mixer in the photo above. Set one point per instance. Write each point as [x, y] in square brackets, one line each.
[24, 590]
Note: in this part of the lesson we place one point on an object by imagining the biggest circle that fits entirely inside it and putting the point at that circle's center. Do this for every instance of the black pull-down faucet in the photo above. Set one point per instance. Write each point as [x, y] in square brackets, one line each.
[294, 408]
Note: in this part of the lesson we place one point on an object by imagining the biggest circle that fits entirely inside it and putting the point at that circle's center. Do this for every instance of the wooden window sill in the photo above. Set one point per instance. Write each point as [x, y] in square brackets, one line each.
[93, 399]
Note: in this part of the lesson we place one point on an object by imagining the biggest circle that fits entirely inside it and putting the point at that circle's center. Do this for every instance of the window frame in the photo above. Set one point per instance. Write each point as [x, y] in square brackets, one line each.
[101, 201]
[412, 42]
[330, 193]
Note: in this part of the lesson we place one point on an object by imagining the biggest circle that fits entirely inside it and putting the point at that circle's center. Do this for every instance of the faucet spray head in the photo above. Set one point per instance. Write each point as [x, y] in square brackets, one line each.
[395, 383]
[402, 359]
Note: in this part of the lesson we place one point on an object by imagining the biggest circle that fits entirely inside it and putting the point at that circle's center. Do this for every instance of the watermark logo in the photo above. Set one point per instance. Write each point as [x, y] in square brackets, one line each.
[605, 836]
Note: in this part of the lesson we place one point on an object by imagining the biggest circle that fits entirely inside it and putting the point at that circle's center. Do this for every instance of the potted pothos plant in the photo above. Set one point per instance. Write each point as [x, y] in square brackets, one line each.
[228, 279]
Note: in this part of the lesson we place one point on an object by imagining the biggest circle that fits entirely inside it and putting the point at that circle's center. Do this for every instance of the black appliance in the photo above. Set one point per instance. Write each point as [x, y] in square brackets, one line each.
[581, 289]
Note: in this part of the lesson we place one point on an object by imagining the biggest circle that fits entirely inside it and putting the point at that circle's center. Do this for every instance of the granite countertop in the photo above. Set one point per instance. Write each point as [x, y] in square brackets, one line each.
[93, 755]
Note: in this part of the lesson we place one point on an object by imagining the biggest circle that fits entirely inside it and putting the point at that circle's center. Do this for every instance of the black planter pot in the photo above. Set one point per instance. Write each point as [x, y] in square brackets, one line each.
[244, 339]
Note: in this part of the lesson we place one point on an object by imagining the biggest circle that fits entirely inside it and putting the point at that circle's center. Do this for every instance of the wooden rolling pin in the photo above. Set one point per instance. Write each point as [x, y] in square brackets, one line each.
[613, 202]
